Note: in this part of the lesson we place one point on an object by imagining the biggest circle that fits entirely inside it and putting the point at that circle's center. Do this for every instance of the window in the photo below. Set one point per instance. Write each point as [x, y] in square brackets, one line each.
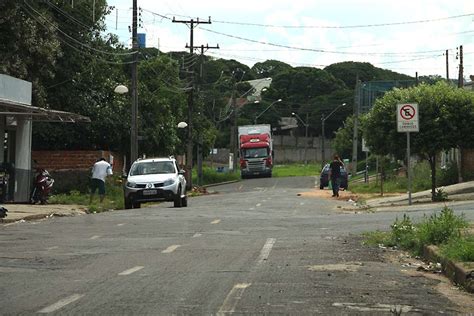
[152, 167]
[255, 152]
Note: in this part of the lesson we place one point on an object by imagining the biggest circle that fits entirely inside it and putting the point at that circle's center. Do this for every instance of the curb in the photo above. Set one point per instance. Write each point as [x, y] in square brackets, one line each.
[26, 218]
[455, 271]
[220, 183]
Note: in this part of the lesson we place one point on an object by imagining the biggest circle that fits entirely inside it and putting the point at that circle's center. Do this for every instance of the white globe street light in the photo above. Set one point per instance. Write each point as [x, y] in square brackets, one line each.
[121, 89]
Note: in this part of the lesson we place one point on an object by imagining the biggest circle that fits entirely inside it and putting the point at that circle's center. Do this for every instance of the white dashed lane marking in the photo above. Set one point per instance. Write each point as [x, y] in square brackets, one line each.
[197, 235]
[132, 270]
[121, 224]
[217, 221]
[95, 237]
[170, 249]
[265, 252]
[232, 299]
[60, 304]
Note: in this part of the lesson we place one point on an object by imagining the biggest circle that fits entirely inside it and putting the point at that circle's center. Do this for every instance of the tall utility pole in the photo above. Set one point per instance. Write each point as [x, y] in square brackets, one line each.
[234, 137]
[447, 65]
[461, 69]
[355, 138]
[199, 145]
[134, 125]
[189, 150]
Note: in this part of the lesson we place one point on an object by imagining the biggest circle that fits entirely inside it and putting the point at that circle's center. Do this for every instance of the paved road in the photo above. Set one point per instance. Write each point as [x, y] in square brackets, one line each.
[255, 247]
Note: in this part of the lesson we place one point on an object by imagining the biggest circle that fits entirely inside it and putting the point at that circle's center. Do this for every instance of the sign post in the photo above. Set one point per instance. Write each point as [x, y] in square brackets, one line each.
[407, 121]
[366, 150]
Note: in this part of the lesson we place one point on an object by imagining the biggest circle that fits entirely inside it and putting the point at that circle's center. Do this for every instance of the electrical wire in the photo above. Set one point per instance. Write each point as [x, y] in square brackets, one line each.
[69, 44]
[326, 26]
[318, 50]
[346, 26]
[70, 37]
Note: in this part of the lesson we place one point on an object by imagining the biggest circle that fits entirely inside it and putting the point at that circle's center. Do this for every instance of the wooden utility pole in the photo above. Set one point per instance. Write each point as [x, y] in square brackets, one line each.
[189, 150]
[355, 137]
[447, 66]
[199, 145]
[461, 69]
[133, 127]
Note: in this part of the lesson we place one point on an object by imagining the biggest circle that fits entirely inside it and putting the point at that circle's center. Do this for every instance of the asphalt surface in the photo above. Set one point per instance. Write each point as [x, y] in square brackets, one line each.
[253, 247]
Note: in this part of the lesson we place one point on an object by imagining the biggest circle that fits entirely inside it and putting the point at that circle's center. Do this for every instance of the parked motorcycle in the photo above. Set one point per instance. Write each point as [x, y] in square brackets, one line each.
[43, 185]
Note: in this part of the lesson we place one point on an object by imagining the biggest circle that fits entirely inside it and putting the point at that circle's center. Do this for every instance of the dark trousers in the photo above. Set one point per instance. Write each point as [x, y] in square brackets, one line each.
[335, 183]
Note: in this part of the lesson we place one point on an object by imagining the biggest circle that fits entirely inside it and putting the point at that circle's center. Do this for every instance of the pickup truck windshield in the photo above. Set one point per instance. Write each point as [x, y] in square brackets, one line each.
[155, 167]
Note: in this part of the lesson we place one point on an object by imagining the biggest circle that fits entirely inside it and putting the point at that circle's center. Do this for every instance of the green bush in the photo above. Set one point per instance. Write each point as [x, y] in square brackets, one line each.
[448, 176]
[403, 233]
[461, 249]
[438, 229]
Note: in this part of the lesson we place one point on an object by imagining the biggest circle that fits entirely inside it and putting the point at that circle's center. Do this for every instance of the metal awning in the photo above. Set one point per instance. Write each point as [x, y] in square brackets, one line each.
[17, 109]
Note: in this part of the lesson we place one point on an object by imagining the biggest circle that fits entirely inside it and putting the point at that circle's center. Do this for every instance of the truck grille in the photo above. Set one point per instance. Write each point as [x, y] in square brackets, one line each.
[256, 165]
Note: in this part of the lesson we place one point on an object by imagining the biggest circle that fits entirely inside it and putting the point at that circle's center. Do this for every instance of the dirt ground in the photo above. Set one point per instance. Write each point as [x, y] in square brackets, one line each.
[343, 195]
[464, 300]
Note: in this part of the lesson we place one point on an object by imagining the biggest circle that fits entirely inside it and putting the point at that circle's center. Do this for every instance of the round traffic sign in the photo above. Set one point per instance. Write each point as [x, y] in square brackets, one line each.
[407, 112]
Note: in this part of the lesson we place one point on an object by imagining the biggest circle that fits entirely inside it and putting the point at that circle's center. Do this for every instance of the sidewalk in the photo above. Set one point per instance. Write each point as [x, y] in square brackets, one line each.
[18, 212]
[456, 192]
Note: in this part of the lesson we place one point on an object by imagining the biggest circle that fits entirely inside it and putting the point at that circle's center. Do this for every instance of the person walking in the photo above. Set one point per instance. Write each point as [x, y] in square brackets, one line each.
[100, 171]
[335, 174]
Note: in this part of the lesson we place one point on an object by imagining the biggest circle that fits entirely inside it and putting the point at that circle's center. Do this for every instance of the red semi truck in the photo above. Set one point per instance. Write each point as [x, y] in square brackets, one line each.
[256, 150]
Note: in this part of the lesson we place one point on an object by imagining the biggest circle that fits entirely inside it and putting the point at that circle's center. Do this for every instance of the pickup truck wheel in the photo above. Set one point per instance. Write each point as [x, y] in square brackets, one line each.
[137, 205]
[127, 203]
[178, 202]
[184, 201]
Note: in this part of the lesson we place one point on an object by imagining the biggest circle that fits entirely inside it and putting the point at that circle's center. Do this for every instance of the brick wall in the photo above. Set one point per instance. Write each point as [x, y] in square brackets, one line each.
[53, 160]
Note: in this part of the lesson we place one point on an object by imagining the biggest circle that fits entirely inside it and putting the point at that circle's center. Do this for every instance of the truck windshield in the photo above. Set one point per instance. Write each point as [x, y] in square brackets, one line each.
[255, 152]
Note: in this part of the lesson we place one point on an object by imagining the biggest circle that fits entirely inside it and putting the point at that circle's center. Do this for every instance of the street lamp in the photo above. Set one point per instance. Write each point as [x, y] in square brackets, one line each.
[266, 109]
[182, 125]
[323, 119]
[306, 125]
[121, 89]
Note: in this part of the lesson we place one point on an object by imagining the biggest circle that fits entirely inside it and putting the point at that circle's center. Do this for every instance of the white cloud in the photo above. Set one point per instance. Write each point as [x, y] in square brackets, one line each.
[439, 35]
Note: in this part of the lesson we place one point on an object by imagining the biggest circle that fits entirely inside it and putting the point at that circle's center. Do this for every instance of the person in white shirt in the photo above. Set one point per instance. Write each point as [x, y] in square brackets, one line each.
[100, 171]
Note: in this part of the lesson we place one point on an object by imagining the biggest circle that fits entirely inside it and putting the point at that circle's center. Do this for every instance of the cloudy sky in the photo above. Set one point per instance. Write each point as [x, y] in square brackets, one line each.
[403, 36]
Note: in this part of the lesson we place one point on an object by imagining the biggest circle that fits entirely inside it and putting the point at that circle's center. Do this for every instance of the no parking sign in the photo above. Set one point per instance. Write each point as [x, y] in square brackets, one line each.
[407, 121]
[407, 117]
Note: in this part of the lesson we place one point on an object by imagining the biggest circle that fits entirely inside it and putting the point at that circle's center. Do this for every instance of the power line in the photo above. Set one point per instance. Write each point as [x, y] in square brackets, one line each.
[69, 44]
[347, 26]
[319, 50]
[327, 26]
[54, 26]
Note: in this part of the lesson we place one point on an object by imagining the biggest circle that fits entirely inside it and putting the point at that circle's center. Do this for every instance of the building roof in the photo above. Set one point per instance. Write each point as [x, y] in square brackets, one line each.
[15, 101]
[16, 109]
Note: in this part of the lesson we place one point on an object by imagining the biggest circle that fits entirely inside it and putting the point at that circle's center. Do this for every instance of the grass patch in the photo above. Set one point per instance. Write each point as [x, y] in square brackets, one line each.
[376, 238]
[211, 176]
[460, 249]
[296, 170]
[398, 183]
[113, 197]
[443, 229]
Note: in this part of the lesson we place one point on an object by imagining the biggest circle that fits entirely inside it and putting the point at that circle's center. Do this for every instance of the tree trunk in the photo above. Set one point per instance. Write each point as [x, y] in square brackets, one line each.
[432, 160]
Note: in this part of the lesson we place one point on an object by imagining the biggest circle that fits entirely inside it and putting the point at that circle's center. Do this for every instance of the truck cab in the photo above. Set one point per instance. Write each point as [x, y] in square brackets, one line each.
[256, 151]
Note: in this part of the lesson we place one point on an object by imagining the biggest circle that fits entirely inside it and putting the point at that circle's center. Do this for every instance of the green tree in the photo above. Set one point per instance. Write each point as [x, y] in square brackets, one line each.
[342, 142]
[29, 48]
[443, 112]
[349, 71]
[270, 68]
